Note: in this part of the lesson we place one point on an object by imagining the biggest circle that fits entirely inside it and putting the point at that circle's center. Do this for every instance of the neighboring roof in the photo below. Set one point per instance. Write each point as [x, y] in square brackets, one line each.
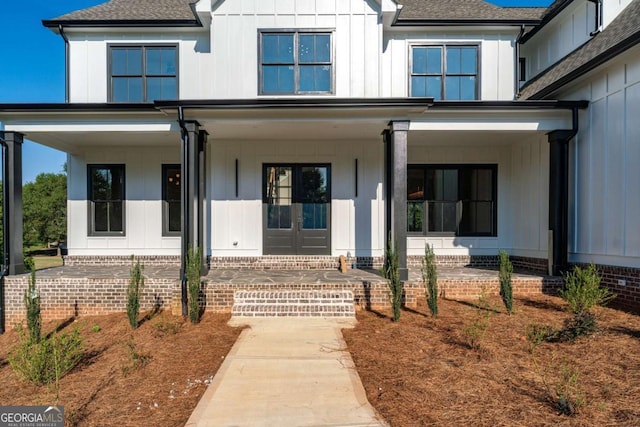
[552, 11]
[466, 10]
[131, 12]
[620, 35]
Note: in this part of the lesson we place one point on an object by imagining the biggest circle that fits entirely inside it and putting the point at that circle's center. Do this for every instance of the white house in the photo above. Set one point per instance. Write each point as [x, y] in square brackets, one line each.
[286, 133]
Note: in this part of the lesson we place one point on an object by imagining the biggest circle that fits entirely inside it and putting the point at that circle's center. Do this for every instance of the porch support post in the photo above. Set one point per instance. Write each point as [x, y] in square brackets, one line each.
[559, 199]
[396, 197]
[12, 208]
[192, 180]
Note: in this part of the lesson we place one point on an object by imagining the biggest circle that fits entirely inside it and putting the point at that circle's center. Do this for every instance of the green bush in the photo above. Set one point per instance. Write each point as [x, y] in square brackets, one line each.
[136, 284]
[48, 360]
[506, 289]
[582, 290]
[194, 258]
[430, 279]
[32, 305]
[28, 262]
[392, 274]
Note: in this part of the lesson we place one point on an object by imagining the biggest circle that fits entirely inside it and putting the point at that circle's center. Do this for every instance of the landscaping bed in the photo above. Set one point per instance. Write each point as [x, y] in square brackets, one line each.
[153, 376]
[423, 371]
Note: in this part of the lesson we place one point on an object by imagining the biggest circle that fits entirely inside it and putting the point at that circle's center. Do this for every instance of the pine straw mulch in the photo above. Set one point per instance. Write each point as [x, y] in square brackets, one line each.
[422, 372]
[109, 388]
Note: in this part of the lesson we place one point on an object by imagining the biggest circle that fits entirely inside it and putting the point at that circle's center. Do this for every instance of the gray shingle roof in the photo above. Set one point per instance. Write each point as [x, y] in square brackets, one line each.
[472, 10]
[133, 10]
[621, 34]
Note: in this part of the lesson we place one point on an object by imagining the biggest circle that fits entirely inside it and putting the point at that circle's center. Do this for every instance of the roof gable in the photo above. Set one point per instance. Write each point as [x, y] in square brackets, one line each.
[465, 10]
[622, 34]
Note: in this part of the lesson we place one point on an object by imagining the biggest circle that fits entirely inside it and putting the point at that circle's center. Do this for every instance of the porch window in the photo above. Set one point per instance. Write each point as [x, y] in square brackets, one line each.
[171, 200]
[457, 200]
[444, 72]
[296, 62]
[106, 199]
[143, 73]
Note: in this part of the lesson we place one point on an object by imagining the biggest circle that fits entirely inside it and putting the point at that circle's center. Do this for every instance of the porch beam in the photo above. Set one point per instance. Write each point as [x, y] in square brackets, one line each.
[12, 207]
[396, 172]
[559, 200]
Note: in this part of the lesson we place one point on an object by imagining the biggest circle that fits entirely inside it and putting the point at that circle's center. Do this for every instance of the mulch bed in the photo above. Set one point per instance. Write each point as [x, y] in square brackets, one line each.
[111, 388]
[422, 371]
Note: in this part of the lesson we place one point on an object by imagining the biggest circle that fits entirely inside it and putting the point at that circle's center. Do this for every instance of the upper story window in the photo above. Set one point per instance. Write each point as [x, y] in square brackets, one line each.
[143, 73]
[444, 72]
[296, 62]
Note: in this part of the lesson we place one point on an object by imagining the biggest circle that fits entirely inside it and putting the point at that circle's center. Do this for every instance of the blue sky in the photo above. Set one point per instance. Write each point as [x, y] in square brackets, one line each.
[33, 64]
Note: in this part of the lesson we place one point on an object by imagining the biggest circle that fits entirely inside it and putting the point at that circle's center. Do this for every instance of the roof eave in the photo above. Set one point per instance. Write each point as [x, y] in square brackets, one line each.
[122, 23]
[463, 22]
[545, 20]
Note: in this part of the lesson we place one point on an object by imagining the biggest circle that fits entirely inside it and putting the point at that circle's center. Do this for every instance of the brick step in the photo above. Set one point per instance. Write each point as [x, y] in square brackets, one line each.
[291, 303]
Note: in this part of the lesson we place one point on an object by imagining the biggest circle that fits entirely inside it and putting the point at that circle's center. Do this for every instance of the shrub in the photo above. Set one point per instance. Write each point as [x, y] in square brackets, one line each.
[136, 284]
[194, 258]
[430, 279]
[28, 262]
[568, 396]
[32, 304]
[392, 274]
[137, 358]
[48, 360]
[506, 290]
[536, 334]
[475, 330]
[582, 290]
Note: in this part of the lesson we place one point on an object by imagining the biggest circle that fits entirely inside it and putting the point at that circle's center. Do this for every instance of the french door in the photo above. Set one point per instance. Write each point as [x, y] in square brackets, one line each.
[296, 209]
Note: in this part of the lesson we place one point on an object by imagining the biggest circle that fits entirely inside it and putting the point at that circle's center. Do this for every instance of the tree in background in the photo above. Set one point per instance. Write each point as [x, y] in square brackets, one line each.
[45, 209]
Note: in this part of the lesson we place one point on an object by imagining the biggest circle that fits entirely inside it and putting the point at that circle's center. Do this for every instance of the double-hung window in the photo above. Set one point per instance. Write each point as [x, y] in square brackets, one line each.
[444, 72]
[143, 73]
[171, 200]
[106, 199]
[296, 62]
[455, 200]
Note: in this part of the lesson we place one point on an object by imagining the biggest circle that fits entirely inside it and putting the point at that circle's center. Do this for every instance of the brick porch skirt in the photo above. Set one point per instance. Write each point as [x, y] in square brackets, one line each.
[63, 297]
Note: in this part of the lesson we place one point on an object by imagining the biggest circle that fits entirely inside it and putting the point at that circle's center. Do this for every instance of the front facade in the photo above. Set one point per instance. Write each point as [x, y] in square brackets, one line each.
[284, 134]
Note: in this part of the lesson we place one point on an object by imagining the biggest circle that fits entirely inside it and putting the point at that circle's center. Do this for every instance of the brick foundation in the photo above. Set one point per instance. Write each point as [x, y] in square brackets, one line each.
[102, 260]
[478, 261]
[539, 265]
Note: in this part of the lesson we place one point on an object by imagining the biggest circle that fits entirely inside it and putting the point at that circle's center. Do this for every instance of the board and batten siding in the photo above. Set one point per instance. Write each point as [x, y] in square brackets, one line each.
[357, 223]
[496, 61]
[604, 196]
[143, 205]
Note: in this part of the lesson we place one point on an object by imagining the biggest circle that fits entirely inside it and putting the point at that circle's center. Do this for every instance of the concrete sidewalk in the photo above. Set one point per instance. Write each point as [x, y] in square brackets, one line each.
[287, 372]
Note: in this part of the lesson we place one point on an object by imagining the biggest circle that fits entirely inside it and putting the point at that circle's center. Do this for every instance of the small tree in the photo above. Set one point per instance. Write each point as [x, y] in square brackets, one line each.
[32, 304]
[194, 258]
[430, 279]
[392, 273]
[506, 289]
[136, 284]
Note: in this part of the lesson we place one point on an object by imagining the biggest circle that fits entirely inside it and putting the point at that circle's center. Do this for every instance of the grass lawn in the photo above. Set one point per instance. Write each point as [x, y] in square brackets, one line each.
[45, 261]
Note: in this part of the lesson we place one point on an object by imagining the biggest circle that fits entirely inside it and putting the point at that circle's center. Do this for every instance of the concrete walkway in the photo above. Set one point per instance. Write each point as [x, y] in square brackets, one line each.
[287, 372]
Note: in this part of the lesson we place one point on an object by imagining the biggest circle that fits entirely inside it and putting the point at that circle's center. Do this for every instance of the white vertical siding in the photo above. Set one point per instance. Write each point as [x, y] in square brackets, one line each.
[143, 206]
[357, 223]
[605, 198]
[496, 61]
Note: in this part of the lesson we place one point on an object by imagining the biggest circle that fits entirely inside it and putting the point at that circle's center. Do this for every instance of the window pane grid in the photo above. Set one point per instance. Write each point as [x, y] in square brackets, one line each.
[143, 73]
[296, 63]
[459, 200]
[444, 72]
[106, 198]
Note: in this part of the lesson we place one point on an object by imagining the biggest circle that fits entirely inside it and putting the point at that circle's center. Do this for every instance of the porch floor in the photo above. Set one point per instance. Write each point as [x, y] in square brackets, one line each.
[242, 276]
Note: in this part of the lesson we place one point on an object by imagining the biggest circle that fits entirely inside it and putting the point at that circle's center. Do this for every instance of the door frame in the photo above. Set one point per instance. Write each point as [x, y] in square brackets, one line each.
[295, 247]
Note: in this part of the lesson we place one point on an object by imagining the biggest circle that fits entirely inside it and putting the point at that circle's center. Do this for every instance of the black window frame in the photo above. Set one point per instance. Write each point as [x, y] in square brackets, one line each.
[144, 76]
[91, 202]
[296, 64]
[166, 232]
[443, 75]
[424, 201]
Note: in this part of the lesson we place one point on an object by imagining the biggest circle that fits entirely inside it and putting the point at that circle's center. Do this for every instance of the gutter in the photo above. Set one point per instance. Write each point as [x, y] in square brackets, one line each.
[66, 62]
[519, 76]
[5, 230]
[185, 249]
